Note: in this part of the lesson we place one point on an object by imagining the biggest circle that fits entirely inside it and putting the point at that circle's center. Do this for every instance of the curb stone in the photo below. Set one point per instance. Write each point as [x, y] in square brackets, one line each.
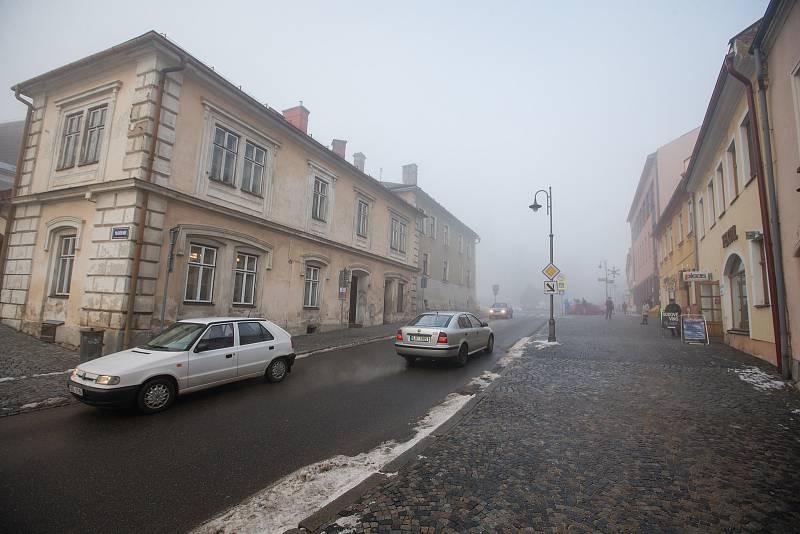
[330, 511]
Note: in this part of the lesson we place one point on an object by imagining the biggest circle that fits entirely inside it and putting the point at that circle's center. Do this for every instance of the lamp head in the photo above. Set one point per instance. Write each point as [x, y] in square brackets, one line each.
[535, 206]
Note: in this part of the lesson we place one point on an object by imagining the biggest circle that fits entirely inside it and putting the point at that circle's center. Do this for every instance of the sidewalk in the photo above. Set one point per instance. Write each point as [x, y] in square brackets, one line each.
[33, 373]
[615, 429]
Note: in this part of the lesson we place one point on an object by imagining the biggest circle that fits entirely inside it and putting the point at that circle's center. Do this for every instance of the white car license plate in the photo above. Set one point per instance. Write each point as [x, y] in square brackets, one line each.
[76, 390]
[419, 338]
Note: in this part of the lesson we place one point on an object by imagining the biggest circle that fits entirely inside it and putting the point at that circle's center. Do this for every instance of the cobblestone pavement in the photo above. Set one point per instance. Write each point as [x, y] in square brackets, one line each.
[614, 430]
[32, 372]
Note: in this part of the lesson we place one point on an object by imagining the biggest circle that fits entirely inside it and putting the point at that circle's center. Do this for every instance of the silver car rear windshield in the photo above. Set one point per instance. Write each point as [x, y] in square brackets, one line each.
[178, 337]
[433, 320]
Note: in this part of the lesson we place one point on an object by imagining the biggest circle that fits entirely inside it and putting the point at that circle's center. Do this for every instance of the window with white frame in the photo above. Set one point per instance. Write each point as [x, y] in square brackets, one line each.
[311, 287]
[460, 244]
[712, 203]
[398, 236]
[425, 264]
[223, 159]
[746, 137]
[253, 169]
[469, 249]
[720, 175]
[64, 263]
[733, 169]
[446, 235]
[244, 280]
[430, 226]
[689, 217]
[445, 270]
[362, 218]
[669, 238]
[200, 275]
[70, 139]
[319, 203]
[680, 227]
[701, 217]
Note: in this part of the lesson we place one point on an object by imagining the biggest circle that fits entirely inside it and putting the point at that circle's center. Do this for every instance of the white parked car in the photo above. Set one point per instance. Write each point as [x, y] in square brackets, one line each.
[188, 356]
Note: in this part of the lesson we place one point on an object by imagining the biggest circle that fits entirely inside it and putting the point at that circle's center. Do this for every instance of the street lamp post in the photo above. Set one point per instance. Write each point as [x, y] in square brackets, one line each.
[551, 324]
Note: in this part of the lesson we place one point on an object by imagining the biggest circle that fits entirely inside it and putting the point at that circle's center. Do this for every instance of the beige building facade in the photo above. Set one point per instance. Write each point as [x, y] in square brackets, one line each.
[255, 217]
[446, 250]
[722, 179]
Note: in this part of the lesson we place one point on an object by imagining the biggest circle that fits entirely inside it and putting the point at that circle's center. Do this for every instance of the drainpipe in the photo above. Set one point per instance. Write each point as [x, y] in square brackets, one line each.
[142, 207]
[15, 186]
[173, 234]
[774, 222]
[762, 197]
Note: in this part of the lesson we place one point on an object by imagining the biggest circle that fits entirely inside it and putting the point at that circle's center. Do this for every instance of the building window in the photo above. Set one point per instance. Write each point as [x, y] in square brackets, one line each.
[69, 140]
[223, 160]
[311, 289]
[710, 302]
[669, 238]
[398, 237]
[253, 172]
[244, 282]
[200, 277]
[93, 139]
[445, 270]
[66, 259]
[425, 263]
[469, 250]
[362, 218]
[446, 235]
[712, 204]
[702, 217]
[431, 226]
[469, 278]
[738, 281]
[680, 228]
[460, 244]
[401, 291]
[689, 217]
[746, 137]
[733, 170]
[319, 205]
[720, 174]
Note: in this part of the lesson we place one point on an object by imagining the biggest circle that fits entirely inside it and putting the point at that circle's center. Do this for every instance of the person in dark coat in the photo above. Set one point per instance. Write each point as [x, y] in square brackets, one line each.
[673, 308]
[609, 307]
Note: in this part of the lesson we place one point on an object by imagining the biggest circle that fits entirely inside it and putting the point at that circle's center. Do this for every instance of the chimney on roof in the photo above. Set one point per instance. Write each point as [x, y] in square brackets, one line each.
[338, 146]
[358, 160]
[298, 117]
[410, 174]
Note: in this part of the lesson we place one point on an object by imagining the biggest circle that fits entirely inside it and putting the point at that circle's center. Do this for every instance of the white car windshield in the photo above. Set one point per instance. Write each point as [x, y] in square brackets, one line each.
[434, 320]
[177, 337]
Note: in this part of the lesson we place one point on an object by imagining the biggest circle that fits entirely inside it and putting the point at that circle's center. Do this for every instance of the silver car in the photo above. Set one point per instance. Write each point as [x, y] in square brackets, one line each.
[452, 334]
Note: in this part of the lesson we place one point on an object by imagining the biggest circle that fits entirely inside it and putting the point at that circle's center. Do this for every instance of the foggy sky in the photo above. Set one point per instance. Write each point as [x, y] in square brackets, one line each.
[492, 102]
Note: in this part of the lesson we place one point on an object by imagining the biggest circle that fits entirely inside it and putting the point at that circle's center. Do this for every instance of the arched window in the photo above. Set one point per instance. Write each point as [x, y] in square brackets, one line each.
[738, 291]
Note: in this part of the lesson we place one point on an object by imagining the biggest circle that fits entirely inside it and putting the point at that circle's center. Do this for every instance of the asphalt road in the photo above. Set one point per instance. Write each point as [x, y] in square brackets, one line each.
[78, 469]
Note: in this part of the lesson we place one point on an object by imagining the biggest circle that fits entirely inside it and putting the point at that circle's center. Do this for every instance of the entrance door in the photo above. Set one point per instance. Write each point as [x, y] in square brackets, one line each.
[353, 300]
[711, 307]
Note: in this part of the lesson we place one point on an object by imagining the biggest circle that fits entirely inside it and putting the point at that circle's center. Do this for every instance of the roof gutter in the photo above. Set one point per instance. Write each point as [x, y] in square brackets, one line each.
[17, 178]
[774, 221]
[758, 162]
[141, 207]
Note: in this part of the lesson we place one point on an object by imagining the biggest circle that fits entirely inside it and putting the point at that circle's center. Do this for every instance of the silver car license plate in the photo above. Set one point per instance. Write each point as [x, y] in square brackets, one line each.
[76, 390]
[419, 338]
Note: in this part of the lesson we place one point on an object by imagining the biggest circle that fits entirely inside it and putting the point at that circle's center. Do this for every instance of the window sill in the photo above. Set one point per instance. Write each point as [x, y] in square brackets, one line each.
[88, 163]
[311, 308]
[54, 296]
[250, 193]
[240, 305]
[759, 306]
[197, 303]
[712, 226]
[734, 199]
[220, 182]
[721, 215]
[737, 332]
[750, 180]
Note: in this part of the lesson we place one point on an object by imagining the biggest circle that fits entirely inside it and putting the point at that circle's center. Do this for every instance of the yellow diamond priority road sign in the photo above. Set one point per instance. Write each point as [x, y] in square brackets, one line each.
[551, 271]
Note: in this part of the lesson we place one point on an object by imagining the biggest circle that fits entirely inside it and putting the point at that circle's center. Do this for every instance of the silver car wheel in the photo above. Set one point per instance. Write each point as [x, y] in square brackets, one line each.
[276, 370]
[156, 396]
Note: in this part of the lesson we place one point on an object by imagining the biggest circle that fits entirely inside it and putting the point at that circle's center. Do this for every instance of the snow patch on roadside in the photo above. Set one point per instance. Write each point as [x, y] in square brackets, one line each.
[291, 499]
[53, 374]
[47, 402]
[758, 378]
[11, 378]
[483, 381]
[348, 523]
[515, 352]
[542, 344]
[796, 411]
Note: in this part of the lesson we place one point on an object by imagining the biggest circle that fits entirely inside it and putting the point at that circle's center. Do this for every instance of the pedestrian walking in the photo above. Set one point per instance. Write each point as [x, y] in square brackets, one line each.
[645, 312]
[609, 308]
[624, 308]
[672, 314]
